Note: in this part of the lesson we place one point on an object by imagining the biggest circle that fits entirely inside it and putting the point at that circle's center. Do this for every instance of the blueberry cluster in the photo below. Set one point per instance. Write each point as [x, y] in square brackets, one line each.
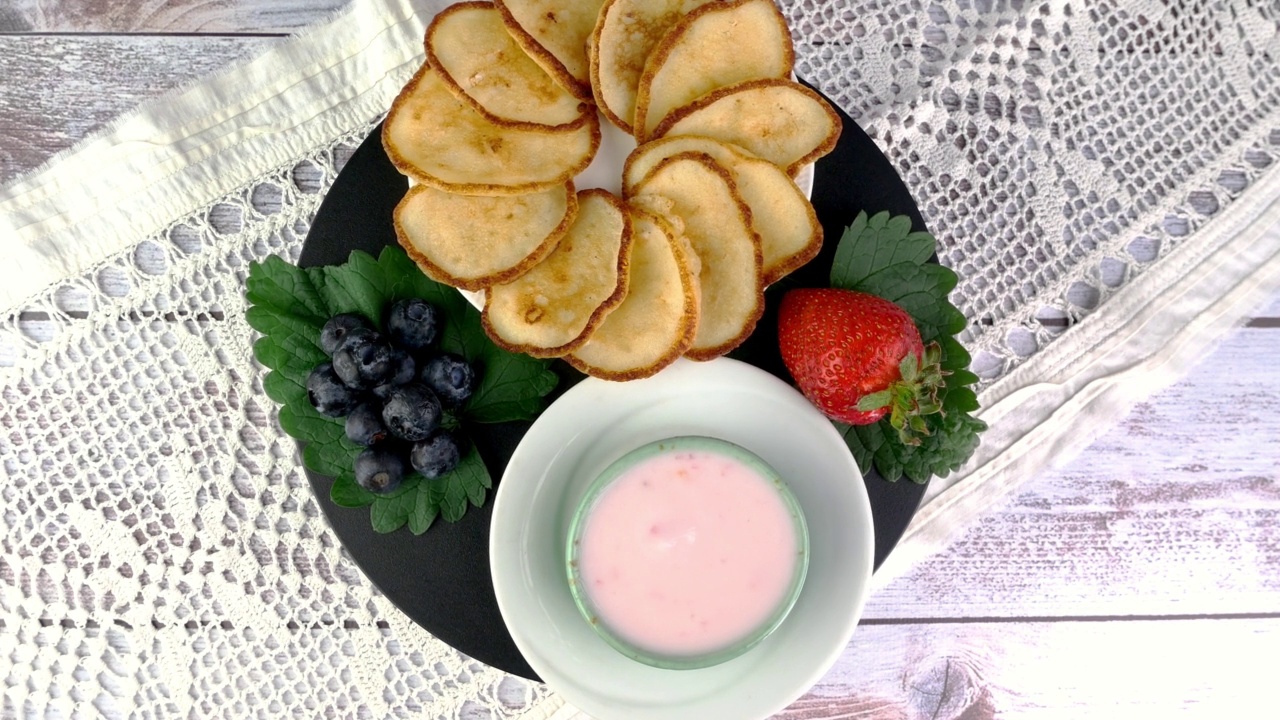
[393, 391]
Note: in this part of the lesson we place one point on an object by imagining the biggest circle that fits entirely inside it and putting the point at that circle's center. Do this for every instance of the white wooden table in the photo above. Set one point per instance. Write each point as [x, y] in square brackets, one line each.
[1140, 580]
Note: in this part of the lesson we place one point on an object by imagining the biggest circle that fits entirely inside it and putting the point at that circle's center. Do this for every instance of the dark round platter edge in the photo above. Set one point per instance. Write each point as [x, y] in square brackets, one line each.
[440, 579]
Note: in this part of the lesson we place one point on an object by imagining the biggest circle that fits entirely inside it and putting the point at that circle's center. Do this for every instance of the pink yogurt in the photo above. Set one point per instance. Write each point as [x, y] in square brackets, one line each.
[691, 551]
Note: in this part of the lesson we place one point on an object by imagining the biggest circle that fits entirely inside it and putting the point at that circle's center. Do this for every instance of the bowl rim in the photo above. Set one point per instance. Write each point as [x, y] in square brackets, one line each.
[605, 480]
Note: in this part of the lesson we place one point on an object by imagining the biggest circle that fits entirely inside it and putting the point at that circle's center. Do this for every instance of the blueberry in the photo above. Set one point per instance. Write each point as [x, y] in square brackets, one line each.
[364, 425]
[403, 368]
[364, 367]
[450, 378]
[334, 331]
[412, 412]
[328, 394]
[344, 366]
[403, 371]
[379, 470]
[435, 456]
[413, 323]
[358, 338]
[383, 391]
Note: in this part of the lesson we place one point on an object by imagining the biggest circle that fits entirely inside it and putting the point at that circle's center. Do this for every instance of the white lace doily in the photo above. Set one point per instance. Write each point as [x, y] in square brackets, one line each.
[162, 553]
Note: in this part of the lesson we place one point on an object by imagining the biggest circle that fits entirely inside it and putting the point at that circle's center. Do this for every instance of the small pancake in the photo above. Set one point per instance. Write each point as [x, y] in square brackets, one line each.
[552, 309]
[781, 121]
[554, 33]
[469, 46]
[658, 319]
[474, 241]
[699, 193]
[790, 234]
[625, 35]
[440, 141]
[723, 43]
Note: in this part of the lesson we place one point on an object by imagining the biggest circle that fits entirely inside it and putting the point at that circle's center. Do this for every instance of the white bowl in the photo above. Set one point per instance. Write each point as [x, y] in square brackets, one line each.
[597, 422]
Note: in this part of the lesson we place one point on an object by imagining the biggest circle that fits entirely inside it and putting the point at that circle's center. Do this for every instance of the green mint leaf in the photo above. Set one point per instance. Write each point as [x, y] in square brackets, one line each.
[329, 458]
[297, 336]
[358, 285]
[870, 245]
[290, 305]
[346, 493]
[512, 388]
[407, 281]
[278, 358]
[408, 486]
[426, 506]
[304, 423]
[390, 514]
[284, 390]
[468, 482]
[946, 444]
[287, 288]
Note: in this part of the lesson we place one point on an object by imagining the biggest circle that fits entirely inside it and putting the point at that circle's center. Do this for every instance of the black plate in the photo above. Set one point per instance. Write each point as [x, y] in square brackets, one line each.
[441, 578]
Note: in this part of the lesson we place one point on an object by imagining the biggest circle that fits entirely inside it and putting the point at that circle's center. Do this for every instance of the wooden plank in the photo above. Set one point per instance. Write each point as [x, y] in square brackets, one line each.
[164, 16]
[72, 86]
[1176, 511]
[976, 671]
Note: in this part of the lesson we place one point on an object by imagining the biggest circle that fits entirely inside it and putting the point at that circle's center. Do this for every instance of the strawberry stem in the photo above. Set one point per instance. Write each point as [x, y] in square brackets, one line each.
[912, 397]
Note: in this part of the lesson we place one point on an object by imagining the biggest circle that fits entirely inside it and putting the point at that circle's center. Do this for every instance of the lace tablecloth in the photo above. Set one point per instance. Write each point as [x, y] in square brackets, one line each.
[1098, 173]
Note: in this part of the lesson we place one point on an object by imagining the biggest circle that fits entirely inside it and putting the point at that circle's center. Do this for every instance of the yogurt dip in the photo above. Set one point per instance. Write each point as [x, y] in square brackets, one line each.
[687, 552]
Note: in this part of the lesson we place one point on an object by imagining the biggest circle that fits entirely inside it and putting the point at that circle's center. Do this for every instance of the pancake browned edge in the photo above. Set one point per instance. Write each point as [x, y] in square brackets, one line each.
[687, 327]
[438, 273]
[755, 272]
[408, 168]
[762, 200]
[593, 67]
[580, 88]
[657, 17]
[821, 148]
[433, 38]
[661, 54]
[601, 311]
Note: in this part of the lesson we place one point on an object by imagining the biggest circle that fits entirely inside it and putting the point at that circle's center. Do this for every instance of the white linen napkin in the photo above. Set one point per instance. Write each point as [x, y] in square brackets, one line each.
[158, 167]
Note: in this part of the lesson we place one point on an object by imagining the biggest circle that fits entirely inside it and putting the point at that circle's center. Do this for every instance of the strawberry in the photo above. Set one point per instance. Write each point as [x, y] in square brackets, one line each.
[858, 357]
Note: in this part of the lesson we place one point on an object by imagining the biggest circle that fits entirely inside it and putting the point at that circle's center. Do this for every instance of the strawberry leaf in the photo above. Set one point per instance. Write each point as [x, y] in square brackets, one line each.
[872, 244]
[289, 306]
[921, 290]
[880, 255]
